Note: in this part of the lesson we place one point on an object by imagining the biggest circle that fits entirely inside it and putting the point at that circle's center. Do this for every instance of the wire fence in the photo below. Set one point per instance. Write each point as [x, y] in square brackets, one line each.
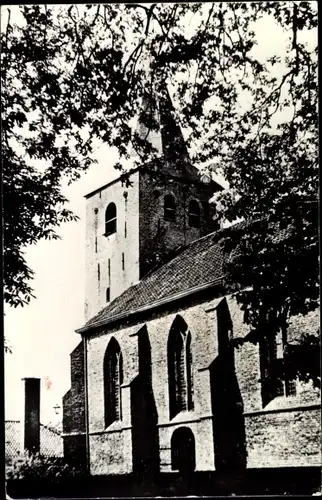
[51, 441]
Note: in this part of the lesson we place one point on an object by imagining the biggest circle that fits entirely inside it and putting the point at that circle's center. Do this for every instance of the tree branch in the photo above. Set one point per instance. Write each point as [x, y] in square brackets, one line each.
[138, 48]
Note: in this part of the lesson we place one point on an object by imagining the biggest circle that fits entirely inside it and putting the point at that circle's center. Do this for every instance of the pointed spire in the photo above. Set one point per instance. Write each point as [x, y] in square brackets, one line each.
[148, 124]
[173, 143]
[157, 124]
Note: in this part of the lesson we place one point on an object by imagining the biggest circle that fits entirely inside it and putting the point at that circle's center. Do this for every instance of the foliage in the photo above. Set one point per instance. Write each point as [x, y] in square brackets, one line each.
[31, 466]
[75, 75]
[304, 360]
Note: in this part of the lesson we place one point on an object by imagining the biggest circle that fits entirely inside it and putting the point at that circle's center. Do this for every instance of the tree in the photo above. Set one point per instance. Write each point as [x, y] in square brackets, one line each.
[72, 75]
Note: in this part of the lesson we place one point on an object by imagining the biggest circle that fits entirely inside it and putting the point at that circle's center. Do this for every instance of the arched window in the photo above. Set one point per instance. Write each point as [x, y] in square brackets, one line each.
[110, 219]
[108, 294]
[169, 207]
[113, 378]
[180, 368]
[194, 214]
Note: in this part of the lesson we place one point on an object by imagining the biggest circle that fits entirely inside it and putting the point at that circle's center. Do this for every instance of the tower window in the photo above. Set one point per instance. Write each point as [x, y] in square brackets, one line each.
[123, 261]
[194, 214]
[110, 219]
[113, 379]
[180, 368]
[108, 294]
[169, 207]
[98, 272]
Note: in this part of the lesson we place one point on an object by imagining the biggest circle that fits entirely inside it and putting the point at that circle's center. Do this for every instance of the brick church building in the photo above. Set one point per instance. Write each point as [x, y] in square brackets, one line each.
[155, 383]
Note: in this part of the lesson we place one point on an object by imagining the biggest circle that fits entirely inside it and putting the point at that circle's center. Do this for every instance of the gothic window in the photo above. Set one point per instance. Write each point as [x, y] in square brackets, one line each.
[169, 207]
[194, 214]
[108, 294]
[113, 378]
[180, 368]
[110, 219]
[286, 386]
[275, 379]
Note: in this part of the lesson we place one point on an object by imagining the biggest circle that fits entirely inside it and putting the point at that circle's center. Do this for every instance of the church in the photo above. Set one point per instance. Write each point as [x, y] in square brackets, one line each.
[156, 385]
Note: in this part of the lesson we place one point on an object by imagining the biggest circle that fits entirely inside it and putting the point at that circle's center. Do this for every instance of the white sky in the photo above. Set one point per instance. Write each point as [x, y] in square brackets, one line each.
[41, 335]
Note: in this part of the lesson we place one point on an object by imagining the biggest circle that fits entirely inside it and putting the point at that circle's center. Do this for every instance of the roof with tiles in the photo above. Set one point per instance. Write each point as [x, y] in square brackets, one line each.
[51, 443]
[192, 267]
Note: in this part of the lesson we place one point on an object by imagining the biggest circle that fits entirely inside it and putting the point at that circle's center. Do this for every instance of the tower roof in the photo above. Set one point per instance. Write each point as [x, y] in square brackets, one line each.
[158, 124]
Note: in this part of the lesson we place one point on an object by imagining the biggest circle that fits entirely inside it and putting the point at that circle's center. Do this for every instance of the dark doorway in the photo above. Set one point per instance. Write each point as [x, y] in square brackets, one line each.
[227, 404]
[145, 437]
[183, 452]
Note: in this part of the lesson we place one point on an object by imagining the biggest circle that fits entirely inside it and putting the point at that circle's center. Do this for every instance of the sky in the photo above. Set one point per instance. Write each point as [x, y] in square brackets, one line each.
[42, 334]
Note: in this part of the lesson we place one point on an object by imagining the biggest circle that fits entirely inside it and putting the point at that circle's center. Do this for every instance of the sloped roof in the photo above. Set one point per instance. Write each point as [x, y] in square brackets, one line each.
[51, 442]
[195, 266]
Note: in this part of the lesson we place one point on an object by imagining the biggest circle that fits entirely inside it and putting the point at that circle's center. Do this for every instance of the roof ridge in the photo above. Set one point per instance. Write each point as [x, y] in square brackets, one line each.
[52, 429]
[42, 425]
[217, 231]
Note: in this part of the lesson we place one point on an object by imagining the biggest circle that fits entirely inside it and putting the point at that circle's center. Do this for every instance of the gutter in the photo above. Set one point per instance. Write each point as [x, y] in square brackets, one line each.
[153, 305]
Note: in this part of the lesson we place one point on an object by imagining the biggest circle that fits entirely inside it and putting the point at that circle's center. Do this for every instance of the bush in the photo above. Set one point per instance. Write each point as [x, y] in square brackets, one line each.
[32, 466]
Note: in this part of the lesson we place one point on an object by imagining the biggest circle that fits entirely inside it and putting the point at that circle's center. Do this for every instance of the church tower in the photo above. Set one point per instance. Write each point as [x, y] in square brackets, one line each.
[131, 230]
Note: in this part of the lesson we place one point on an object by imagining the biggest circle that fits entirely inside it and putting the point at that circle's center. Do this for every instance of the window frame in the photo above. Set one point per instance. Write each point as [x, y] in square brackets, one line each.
[273, 354]
[194, 215]
[112, 220]
[112, 366]
[172, 210]
[180, 368]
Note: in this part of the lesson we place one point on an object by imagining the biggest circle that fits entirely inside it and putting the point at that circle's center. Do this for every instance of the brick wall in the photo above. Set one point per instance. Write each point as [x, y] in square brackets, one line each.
[111, 453]
[284, 439]
[141, 232]
[201, 320]
[75, 449]
[74, 408]
[287, 431]
[284, 433]
[125, 240]
[158, 235]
